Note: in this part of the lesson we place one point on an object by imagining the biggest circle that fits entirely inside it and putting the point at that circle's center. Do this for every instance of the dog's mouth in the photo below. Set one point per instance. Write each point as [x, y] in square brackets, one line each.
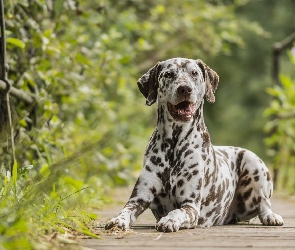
[182, 111]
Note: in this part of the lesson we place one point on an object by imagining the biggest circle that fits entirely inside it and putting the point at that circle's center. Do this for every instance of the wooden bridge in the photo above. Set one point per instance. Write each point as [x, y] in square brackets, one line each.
[242, 236]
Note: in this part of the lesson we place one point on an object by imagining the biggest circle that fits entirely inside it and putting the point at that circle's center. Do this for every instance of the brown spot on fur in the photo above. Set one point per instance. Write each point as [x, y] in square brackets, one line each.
[252, 212]
[247, 194]
[239, 160]
[240, 204]
[199, 184]
[268, 176]
[206, 139]
[245, 173]
[246, 182]
[201, 221]
[204, 157]
[224, 153]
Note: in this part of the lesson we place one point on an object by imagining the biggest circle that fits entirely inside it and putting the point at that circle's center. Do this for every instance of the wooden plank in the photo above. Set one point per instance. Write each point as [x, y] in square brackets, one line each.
[242, 236]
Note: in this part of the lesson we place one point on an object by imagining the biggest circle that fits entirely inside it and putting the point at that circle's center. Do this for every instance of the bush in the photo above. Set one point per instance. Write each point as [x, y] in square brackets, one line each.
[281, 130]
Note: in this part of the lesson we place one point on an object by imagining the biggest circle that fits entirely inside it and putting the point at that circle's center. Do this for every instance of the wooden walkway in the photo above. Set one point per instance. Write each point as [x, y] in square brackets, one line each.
[242, 236]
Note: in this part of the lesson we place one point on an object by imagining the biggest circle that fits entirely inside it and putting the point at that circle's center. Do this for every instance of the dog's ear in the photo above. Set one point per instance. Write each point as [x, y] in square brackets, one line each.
[211, 79]
[148, 84]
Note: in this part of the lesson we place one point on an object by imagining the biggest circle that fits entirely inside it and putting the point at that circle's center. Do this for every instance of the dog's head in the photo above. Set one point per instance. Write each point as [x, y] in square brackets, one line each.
[180, 84]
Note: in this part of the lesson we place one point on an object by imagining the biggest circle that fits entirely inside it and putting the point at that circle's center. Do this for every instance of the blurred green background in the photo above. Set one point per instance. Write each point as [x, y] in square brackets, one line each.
[89, 128]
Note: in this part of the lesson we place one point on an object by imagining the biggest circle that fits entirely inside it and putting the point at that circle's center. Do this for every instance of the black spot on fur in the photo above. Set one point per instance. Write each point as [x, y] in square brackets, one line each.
[163, 195]
[155, 160]
[182, 150]
[193, 195]
[187, 201]
[153, 190]
[134, 192]
[254, 201]
[156, 201]
[174, 191]
[160, 209]
[180, 183]
[195, 172]
[193, 165]
[189, 177]
[147, 167]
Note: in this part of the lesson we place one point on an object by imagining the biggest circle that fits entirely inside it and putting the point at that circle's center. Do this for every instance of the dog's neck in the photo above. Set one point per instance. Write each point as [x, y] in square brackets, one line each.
[169, 129]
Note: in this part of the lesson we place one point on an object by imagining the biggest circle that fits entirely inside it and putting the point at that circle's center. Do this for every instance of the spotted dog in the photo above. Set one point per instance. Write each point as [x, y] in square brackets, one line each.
[185, 180]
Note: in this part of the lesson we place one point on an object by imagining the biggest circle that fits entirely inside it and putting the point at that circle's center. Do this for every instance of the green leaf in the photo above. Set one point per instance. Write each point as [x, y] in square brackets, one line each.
[16, 42]
[14, 175]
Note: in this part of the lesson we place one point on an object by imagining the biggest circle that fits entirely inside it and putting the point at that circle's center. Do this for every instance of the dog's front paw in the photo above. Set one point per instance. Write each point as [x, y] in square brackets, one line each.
[167, 224]
[119, 222]
[272, 219]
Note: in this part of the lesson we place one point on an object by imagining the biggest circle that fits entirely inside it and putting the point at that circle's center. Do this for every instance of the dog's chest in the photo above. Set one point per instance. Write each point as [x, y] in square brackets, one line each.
[180, 162]
[191, 170]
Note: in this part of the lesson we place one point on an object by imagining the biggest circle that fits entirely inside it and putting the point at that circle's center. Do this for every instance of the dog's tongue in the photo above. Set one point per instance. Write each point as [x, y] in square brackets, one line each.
[184, 108]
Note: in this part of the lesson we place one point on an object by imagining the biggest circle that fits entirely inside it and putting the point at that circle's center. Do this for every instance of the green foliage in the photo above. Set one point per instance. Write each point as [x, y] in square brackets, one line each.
[88, 129]
[281, 130]
[28, 213]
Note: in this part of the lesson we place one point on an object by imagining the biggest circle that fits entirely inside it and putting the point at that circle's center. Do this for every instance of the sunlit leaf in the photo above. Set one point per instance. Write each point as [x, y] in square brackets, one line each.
[16, 42]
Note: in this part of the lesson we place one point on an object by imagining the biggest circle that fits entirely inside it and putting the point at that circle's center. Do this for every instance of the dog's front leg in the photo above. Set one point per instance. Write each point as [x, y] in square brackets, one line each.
[147, 187]
[186, 216]
[189, 196]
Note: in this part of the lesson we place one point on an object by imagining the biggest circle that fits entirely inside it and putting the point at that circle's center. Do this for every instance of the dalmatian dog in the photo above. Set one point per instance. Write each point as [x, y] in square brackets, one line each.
[186, 181]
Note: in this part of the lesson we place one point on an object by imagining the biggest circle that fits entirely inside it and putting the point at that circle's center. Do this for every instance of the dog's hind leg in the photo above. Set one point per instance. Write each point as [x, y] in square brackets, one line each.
[254, 190]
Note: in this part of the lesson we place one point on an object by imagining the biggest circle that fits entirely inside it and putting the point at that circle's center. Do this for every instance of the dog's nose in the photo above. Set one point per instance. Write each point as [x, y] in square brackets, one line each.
[184, 90]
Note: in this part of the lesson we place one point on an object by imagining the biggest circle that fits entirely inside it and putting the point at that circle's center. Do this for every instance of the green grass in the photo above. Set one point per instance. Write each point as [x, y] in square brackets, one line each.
[41, 210]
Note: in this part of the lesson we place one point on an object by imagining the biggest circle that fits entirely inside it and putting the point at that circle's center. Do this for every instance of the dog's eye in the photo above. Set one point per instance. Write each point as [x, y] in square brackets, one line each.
[169, 74]
[194, 73]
